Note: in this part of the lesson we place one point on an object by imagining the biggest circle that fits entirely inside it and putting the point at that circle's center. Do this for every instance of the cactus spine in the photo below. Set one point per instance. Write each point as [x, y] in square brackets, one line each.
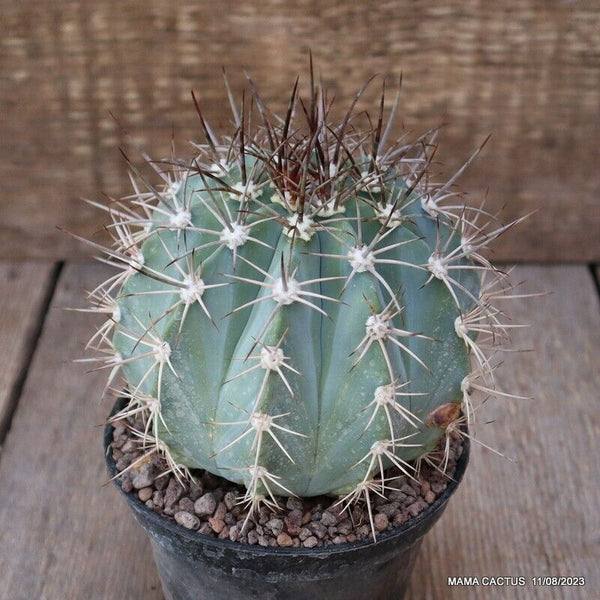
[297, 308]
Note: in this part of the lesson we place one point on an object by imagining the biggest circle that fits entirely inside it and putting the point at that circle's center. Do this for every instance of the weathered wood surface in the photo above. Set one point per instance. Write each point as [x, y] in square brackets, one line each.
[63, 535]
[541, 515]
[526, 70]
[23, 289]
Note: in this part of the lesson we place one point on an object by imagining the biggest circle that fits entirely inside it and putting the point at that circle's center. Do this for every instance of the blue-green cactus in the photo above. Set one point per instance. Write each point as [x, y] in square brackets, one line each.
[296, 312]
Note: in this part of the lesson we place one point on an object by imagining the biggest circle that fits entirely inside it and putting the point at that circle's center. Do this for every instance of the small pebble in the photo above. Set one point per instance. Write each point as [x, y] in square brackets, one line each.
[381, 522]
[248, 525]
[293, 522]
[221, 511]
[118, 429]
[318, 529]
[345, 527]
[186, 504]
[363, 532]
[388, 509]
[173, 492]
[328, 519]
[284, 540]
[209, 504]
[438, 488]
[188, 520]
[126, 485]
[196, 490]
[128, 446]
[123, 463]
[337, 510]
[378, 500]
[145, 494]
[294, 503]
[216, 525]
[275, 525]
[264, 514]
[158, 498]
[142, 479]
[234, 533]
[408, 490]
[230, 500]
[160, 483]
[205, 505]
[399, 519]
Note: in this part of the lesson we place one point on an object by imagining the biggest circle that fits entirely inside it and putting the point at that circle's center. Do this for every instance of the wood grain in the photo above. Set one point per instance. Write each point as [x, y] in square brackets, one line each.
[62, 534]
[538, 516]
[526, 70]
[24, 287]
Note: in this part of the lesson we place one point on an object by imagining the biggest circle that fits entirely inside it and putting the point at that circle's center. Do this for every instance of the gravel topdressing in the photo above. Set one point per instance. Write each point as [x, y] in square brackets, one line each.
[210, 505]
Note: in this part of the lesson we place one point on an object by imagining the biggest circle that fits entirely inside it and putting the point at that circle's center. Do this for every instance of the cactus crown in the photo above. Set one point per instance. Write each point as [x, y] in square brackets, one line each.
[296, 309]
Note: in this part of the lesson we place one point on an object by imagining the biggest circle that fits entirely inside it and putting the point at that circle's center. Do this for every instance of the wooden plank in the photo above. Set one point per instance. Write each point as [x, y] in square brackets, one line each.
[526, 70]
[539, 516]
[62, 534]
[24, 287]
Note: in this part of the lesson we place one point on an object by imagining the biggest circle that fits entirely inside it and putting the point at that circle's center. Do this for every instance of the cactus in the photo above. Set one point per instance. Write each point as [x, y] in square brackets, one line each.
[297, 308]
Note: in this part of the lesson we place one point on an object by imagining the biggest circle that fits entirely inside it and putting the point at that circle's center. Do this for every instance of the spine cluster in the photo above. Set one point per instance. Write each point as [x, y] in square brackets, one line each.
[301, 306]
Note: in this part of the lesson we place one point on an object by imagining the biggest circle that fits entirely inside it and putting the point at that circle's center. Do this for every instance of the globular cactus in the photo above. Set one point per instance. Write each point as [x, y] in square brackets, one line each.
[296, 309]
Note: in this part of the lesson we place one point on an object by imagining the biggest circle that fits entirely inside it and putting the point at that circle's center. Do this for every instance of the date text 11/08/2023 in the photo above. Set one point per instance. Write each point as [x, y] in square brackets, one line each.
[515, 581]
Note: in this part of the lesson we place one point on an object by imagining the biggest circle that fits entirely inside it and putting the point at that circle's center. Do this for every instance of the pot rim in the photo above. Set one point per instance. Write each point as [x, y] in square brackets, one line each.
[175, 529]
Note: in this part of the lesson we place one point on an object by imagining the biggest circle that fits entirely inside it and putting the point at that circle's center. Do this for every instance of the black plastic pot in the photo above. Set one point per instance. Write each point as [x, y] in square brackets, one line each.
[196, 567]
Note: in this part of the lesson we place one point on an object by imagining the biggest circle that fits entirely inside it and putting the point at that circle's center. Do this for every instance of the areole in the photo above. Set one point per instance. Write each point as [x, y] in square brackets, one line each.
[192, 566]
[297, 309]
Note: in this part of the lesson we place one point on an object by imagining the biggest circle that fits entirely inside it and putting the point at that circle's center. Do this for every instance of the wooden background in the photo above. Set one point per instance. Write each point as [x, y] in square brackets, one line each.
[526, 70]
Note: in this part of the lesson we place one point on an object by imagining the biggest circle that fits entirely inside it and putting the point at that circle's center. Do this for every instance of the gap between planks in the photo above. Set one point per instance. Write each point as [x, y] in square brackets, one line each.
[63, 533]
[595, 270]
[26, 289]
